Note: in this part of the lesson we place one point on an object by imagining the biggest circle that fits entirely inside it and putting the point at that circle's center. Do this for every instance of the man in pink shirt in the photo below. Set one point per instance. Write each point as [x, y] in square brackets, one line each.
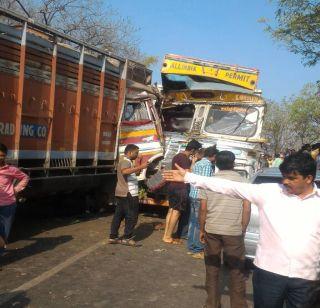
[288, 252]
[8, 190]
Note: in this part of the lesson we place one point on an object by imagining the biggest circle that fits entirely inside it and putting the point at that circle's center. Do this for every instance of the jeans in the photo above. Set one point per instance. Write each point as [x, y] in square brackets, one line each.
[194, 244]
[234, 252]
[6, 219]
[126, 208]
[271, 290]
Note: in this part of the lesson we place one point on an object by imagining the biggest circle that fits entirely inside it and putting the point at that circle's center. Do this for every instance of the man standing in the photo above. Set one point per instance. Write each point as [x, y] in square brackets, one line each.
[223, 221]
[178, 192]
[288, 252]
[126, 197]
[202, 167]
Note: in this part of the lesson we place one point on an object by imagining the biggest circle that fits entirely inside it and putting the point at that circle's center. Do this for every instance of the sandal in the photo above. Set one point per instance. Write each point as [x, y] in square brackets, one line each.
[114, 241]
[130, 242]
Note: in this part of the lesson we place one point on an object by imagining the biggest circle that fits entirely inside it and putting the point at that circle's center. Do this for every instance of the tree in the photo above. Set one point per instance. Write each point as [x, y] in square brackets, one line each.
[277, 128]
[304, 114]
[298, 27]
[87, 20]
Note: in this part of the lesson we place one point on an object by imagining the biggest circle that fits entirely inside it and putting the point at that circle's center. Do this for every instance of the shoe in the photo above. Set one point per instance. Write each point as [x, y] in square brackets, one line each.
[190, 253]
[198, 255]
[130, 242]
[114, 241]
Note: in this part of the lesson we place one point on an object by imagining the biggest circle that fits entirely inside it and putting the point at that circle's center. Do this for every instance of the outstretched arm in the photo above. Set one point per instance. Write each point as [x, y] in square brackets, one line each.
[137, 169]
[250, 192]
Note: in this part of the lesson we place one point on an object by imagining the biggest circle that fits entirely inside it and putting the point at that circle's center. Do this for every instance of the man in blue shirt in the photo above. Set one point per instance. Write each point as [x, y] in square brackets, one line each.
[202, 167]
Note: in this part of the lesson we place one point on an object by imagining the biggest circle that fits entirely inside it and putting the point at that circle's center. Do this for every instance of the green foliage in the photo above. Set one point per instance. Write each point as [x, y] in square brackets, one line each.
[276, 128]
[149, 61]
[295, 121]
[305, 114]
[298, 27]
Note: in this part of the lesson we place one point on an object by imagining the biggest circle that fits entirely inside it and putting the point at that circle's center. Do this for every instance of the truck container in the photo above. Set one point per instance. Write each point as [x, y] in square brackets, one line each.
[62, 104]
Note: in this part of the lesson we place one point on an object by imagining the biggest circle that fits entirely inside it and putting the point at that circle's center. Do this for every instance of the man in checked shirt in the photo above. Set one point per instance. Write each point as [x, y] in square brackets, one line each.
[202, 167]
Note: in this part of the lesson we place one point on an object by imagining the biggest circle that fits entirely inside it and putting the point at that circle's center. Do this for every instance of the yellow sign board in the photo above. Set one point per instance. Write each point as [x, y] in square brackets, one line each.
[230, 75]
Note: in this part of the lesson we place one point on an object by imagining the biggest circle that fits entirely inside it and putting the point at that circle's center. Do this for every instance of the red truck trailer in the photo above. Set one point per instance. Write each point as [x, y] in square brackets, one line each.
[61, 107]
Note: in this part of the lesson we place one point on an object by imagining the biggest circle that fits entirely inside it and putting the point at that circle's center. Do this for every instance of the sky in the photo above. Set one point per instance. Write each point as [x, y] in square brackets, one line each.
[225, 31]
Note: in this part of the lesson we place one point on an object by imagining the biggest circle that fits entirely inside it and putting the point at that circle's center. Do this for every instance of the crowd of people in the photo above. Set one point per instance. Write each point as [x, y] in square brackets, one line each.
[214, 208]
[274, 160]
[286, 269]
[208, 221]
[210, 206]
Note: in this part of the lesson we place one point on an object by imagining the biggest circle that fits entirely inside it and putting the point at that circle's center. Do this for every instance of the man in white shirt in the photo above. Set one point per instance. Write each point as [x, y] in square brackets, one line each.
[288, 252]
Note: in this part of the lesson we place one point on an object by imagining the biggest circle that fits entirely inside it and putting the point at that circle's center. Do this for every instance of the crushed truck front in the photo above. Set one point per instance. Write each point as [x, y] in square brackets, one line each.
[215, 104]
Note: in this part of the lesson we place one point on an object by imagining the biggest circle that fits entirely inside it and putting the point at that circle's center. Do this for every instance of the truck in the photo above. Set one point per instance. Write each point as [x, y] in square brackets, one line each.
[216, 104]
[66, 108]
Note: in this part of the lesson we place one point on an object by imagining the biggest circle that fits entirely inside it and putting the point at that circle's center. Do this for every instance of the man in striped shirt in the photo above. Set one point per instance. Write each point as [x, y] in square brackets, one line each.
[202, 167]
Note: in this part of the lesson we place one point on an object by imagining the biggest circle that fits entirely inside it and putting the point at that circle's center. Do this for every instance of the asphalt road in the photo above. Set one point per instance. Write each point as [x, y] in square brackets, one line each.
[66, 262]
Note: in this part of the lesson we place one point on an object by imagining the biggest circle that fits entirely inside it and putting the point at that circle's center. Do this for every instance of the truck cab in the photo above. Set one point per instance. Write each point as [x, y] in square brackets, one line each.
[214, 104]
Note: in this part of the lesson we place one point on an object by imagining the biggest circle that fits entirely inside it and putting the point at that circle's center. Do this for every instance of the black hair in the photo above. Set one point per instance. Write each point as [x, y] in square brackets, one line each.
[130, 148]
[301, 163]
[3, 148]
[306, 148]
[193, 145]
[211, 151]
[315, 146]
[225, 160]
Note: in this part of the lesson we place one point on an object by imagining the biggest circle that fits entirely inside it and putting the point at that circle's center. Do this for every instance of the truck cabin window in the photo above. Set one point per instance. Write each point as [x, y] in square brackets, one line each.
[135, 112]
[233, 120]
[178, 118]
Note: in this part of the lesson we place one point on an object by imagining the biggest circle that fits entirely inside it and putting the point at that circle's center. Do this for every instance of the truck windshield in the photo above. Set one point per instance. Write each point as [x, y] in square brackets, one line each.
[135, 112]
[178, 118]
[232, 120]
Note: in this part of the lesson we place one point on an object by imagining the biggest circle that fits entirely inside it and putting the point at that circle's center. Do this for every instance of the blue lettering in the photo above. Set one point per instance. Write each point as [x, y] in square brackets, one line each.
[33, 130]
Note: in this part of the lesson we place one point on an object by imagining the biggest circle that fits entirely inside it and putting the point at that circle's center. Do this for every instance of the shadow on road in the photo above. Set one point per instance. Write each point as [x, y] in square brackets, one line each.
[38, 245]
[144, 230]
[14, 299]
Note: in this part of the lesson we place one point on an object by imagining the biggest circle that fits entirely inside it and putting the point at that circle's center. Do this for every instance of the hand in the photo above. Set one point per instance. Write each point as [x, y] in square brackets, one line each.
[174, 175]
[144, 165]
[244, 230]
[202, 236]
[194, 159]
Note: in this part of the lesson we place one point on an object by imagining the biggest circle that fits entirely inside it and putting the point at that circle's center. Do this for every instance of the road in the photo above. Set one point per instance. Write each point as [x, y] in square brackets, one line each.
[66, 262]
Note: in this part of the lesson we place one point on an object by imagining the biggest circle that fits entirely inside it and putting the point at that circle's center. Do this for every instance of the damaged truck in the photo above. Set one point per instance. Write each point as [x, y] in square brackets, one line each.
[214, 103]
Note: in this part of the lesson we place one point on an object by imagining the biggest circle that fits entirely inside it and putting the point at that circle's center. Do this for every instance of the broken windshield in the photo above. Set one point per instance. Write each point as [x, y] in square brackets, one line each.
[232, 120]
[135, 112]
[178, 118]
